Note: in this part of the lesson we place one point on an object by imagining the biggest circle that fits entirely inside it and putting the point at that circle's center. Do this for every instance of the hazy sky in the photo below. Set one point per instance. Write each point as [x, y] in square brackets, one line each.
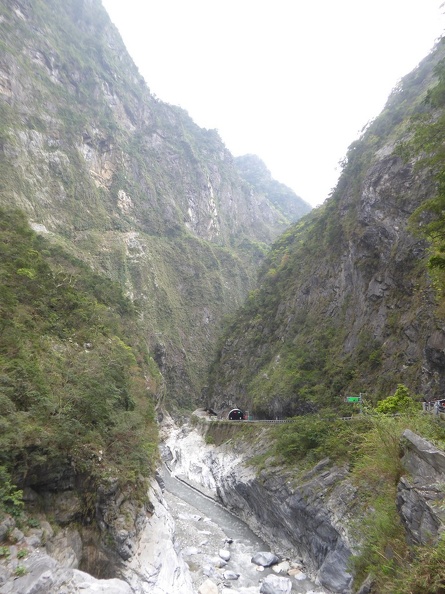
[293, 81]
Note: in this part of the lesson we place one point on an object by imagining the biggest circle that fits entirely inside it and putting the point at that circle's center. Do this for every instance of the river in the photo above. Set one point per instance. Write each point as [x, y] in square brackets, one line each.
[204, 528]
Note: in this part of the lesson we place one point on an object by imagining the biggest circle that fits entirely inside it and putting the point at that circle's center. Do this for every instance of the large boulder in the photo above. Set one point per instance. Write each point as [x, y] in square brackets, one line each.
[42, 574]
[420, 497]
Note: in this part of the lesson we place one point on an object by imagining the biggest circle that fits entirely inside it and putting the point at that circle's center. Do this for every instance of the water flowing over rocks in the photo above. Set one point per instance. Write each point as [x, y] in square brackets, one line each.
[306, 521]
[199, 537]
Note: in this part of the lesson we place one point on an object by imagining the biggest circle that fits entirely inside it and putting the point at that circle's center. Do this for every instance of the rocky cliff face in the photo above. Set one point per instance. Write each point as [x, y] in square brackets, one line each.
[45, 561]
[345, 303]
[254, 171]
[127, 183]
[420, 494]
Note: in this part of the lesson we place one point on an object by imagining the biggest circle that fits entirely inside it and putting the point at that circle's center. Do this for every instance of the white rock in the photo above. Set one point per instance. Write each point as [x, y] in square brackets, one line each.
[274, 584]
[218, 562]
[208, 587]
[89, 584]
[265, 558]
[210, 571]
[224, 554]
[156, 566]
[300, 576]
[188, 551]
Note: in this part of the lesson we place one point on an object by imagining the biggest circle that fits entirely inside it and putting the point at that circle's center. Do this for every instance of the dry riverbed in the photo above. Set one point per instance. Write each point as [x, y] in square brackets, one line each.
[218, 548]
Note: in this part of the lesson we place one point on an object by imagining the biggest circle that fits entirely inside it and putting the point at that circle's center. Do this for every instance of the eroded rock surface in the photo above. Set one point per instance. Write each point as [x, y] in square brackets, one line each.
[44, 562]
[420, 496]
[307, 518]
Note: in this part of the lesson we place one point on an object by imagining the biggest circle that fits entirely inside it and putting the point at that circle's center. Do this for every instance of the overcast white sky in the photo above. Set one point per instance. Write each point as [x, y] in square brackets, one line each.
[293, 81]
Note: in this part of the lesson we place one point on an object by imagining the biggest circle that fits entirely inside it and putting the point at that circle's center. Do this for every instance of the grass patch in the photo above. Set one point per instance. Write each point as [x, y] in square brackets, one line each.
[371, 447]
[385, 553]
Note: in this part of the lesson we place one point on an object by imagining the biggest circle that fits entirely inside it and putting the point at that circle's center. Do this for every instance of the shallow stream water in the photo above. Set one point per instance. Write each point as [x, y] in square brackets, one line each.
[203, 528]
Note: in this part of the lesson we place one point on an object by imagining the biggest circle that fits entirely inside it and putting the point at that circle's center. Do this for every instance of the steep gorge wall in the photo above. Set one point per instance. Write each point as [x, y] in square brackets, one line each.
[345, 303]
[126, 182]
[57, 561]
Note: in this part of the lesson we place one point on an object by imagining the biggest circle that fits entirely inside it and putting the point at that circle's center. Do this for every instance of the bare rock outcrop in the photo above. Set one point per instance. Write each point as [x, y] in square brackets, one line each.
[420, 495]
[44, 562]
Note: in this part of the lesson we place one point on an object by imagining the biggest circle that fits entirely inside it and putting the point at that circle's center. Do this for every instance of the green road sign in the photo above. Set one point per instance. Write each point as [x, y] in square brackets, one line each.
[353, 398]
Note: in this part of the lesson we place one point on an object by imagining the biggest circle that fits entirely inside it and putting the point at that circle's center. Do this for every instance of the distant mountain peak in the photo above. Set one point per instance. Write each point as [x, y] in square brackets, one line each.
[255, 172]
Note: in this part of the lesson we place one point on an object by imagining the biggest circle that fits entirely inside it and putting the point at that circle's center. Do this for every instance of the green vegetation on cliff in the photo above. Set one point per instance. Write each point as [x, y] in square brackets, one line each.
[254, 171]
[344, 302]
[77, 384]
[350, 301]
[426, 143]
[369, 445]
[127, 183]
